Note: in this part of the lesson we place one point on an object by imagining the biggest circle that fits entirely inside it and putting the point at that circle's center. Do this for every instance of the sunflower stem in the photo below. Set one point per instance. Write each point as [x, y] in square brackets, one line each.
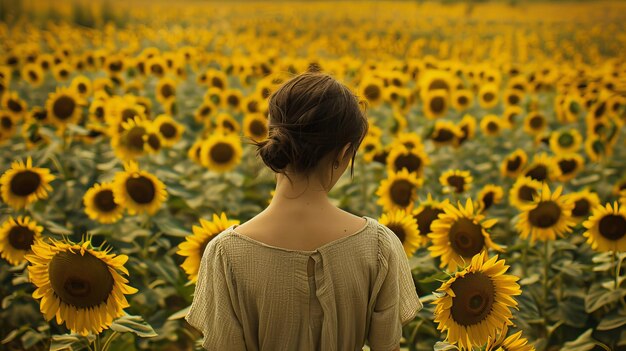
[546, 271]
[107, 343]
[617, 267]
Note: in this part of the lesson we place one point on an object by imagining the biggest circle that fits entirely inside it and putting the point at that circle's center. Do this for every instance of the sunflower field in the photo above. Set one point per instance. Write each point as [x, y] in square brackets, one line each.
[495, 151]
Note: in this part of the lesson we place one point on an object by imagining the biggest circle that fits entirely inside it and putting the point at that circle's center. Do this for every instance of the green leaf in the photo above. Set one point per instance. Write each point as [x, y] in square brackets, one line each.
[180, 314]
[444, 346]
[70, 342]
[599, 296]
[533, 278]
[133, 324]
[613, 320]
[169, 227]
[583, 343]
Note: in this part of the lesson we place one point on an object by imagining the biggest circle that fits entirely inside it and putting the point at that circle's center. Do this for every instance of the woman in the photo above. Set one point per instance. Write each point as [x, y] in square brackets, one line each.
[304, 274]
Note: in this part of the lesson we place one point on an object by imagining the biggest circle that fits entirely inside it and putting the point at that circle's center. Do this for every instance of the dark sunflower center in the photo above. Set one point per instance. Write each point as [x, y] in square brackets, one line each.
[82, 88]
[167, 91]
[600, 110]
[488, 200]
[513, 99]
[438, 84]
[398, 230]
[64, 107]
[40, 115]
[233, 100]
[536, 122]
[156, 69]
[492, 126]
[463, 100]
[154, 141]
[141, 189]
[25, 183]
[253, 106]
[372, 92]
[581, 208]
[104, 201]
[426, 218]
[410, 161]
[545, 215]
[457, 182]
[401, 191]
[222, 152]
[612, 227]
[167, 130]
[257, 128]
[129, 113]
[437, 104]
[539, 172]
[134, 138]
[443, 135]
[14, 106]
[574, 108]
[6, 122]
[466, 238]
[567, 166]
[475, 296]
[32, 75]
[488, 97]
[99, 113]
[21, 238]
[566, 140]
[514, 164]
[526, 193]
[216, 82]
[80, 281]
[228, 125]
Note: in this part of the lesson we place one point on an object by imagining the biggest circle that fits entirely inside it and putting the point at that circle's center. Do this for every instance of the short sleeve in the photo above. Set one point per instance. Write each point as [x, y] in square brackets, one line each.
[397, 301]
[212, 311]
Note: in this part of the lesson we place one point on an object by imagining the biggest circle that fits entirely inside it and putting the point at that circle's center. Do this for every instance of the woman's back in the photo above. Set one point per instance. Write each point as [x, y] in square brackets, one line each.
[265, 297]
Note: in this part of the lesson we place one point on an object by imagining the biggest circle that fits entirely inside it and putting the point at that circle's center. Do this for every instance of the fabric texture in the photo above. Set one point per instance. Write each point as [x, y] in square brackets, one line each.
[254, 296]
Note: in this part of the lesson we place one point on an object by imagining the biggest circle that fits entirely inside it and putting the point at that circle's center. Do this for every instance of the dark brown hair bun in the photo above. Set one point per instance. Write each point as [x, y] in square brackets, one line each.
[310, 116]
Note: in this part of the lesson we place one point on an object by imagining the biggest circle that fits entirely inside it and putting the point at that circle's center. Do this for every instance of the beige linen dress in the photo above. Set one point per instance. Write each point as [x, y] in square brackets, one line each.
[254, 296]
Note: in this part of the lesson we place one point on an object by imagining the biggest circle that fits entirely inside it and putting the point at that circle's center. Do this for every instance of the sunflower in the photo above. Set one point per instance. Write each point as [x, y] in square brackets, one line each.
[462, 99]
[404, 226]
[455, 180]
[542, 168]
[16, 238]
[445, 133]
[32, 73]
[573, 107]
[606, 228]
[398, 122]
[8, 125]
[514, 163]
[232, 99]
[169, 130]
[433, 79]
[132, 141]
[205, 111]
[62, 71]
[510, 115]
[597, 149]
[193, 246]
[458, 234]
[194, 151]
[218, 79]
[523, 191]
[513, 97]
[584, 202]
[31, 132]
[24, 184]
[156, 66]
[372, 89]
[619, 186]
[568, 165]
[226, 123]
[535, 123]
[515, 342]
[255, 126]
[82, 86]
[100, 204]
[467, 126]
[489, 195]
[79, 284]
[221, 152]
[565, 141]
[12, 103]
[488, 96]
[549, 215]
[425, 214]
[476, 302]
[165, 89]
[137, 190]
[410, 140]
[414, 160]
[370, 146]
[492, 125]
[435, 103]
[64, 107]
[399, 190]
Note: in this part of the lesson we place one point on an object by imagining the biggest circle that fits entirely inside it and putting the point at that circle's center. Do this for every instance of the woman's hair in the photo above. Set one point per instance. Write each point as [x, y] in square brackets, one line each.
[311, 115]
